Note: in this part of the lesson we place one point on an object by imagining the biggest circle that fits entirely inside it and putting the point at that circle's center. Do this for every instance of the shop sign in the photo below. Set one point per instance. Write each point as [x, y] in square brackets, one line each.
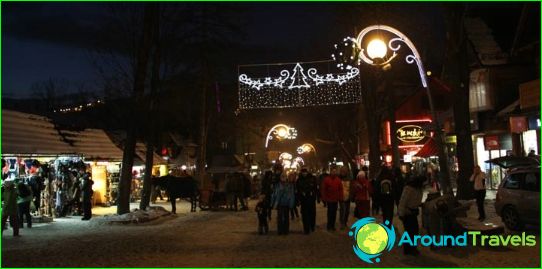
[529, 94]
[411, 133]
[452, 139]
[518, 124]
[492, 142]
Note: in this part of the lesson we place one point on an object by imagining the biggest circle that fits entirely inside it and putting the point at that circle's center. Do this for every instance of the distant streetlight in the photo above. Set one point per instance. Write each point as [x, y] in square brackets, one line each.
[280, 132]
[306, 148]
[376, 54]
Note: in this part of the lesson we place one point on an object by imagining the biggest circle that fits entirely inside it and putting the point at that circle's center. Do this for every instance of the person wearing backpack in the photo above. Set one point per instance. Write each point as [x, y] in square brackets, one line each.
[387, 188]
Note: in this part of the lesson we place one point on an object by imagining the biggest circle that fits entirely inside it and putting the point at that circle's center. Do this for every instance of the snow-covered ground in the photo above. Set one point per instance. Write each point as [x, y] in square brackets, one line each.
[221, 239]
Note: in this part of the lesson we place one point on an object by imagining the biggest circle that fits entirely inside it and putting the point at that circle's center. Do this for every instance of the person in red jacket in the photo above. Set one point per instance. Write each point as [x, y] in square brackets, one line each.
[332, 194]
[362, 191]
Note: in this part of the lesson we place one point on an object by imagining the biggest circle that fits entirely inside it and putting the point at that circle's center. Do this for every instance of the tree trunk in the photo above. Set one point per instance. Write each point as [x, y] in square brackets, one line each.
[457, 75]
[147, 184]
[125, 184]
[150, 14]
[149, 155]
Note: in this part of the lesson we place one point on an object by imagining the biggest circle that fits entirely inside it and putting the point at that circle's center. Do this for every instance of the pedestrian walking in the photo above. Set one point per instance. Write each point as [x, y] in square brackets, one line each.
[86, 194]
[283, 200]
[307, 192]
[332, 192]
[344, 204]
[262, 210]
[479, 179]
[294, 213]
[361, 192]
[401, 178]
[24, 199]
[387, 194]
[408, 210]
[9, 208]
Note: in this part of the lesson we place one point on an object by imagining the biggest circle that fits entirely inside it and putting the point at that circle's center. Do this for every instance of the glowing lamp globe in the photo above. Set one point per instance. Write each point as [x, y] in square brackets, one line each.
[377, 49]
[282, 133]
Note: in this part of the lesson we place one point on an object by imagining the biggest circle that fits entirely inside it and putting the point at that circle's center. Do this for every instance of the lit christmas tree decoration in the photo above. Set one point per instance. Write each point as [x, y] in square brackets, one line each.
[295, 87]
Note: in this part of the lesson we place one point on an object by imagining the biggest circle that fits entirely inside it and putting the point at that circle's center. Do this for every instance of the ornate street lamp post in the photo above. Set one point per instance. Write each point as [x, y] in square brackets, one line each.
[376, 54]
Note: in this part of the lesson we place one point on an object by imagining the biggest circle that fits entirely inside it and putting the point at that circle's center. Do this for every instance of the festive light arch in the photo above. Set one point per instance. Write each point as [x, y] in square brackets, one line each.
[297, 87]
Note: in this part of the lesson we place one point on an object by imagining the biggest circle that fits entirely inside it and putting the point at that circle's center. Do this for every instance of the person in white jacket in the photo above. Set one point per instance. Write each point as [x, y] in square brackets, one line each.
[408, 209]
[479, 179]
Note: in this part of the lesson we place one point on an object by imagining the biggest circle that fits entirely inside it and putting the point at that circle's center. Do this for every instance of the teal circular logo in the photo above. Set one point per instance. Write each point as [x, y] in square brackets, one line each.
[371, 239]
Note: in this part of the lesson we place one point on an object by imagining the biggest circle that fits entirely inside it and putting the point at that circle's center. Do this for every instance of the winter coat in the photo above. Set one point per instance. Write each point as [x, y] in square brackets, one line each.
[24, 193]
[10, 199]
[332, 189]
[346, 189]
[411, 199]
[86, 188]
[307, 188]
[361, 189]
[283, 195]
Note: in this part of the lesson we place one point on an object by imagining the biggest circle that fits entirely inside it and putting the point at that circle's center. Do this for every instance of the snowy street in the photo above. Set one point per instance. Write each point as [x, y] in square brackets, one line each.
[221, 239]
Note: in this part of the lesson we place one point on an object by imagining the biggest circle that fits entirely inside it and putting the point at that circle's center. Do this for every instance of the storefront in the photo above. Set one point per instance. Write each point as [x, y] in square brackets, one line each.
[490, 147]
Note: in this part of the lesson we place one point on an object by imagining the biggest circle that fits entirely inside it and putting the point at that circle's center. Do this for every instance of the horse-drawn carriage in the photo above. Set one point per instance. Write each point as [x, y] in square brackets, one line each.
[226, 183]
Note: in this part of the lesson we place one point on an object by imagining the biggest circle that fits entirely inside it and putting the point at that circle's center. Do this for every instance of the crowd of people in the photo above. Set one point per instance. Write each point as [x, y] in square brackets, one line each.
[71, 192]
[389, 192]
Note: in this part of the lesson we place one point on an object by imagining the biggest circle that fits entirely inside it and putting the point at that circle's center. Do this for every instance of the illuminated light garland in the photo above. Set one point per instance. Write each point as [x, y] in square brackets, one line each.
[299, 88]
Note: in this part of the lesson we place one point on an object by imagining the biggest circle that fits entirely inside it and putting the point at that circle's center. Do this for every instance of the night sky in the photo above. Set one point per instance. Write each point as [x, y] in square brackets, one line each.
[42, 41]
[53, 40]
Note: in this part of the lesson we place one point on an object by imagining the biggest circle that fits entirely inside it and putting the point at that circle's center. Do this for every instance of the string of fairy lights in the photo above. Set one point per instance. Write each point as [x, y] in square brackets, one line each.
[295, 87]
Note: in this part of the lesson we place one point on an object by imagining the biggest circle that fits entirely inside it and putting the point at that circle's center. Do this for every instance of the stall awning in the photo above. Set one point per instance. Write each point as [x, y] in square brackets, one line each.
[28, 134]
[429, 149]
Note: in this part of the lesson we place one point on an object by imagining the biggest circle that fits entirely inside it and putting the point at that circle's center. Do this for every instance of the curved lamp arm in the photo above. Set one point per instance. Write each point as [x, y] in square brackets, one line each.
[267, 138]
[394, 46]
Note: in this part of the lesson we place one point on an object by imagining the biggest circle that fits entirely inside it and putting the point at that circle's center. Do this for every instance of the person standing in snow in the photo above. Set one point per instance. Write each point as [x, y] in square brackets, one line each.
[332, 194]
[86, 189]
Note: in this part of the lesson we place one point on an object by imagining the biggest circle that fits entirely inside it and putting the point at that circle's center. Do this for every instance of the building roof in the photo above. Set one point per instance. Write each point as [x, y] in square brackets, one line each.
[141, 151]
[93, 144]
[28, 134]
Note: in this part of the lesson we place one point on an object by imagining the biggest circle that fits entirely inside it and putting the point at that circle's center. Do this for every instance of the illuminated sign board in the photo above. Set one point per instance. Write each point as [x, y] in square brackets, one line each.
[411, 133]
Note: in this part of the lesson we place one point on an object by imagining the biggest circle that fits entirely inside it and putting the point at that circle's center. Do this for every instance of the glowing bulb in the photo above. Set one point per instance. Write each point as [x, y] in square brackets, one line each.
[282, 132]
[429, 73]
[376, 49]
